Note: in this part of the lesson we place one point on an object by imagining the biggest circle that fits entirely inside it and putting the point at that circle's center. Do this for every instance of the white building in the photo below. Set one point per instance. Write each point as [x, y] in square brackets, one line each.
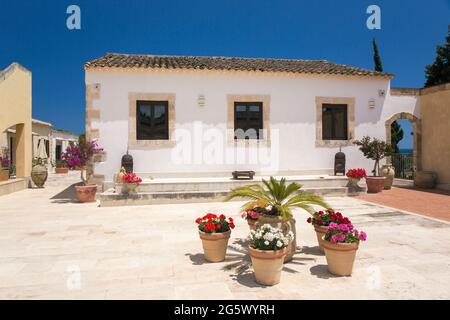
[55, 141]
[177, 116]
[60, 140]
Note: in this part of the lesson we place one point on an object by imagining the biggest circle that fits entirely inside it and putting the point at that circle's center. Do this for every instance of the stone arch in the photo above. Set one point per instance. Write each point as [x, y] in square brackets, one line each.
[417, 132]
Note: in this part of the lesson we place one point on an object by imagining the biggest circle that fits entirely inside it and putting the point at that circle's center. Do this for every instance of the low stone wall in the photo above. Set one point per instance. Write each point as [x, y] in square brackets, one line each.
[13, 185]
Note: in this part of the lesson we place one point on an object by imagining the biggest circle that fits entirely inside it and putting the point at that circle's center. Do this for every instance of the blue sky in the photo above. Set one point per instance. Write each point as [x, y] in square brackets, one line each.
[34, 34]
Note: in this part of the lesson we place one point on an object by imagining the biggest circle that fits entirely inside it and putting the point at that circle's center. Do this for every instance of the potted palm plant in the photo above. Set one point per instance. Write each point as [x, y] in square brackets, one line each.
[374, 149]
[279, 200]
[78, 156]
[341, 243]
[267, 249]
[214, 232]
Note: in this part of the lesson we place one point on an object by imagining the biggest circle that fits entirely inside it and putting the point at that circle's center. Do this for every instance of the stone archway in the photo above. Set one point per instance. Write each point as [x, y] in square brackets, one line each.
[417, 131]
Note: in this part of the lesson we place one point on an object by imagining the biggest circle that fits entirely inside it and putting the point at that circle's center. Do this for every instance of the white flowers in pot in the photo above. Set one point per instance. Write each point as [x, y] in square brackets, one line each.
[267, 249]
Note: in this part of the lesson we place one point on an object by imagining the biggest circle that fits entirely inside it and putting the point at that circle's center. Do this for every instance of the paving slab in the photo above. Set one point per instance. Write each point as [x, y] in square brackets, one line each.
[52, 247]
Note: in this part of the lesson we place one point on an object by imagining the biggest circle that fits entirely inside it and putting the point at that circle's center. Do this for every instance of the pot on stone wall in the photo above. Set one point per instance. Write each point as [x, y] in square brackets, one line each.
[425, 179]
[375, 184]
[39, 175]
[4, 174]
[61, 170]
[86, 193]
[285, 226]
[388, 171]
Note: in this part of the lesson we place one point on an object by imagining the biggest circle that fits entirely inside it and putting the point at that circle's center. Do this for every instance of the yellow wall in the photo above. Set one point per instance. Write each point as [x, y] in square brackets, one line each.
[15, 109]
[435, 114]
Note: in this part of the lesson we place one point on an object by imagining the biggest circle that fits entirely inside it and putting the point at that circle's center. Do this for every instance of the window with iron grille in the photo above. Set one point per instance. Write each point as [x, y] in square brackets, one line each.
[248, 120]
[152, 120]
[334, 122]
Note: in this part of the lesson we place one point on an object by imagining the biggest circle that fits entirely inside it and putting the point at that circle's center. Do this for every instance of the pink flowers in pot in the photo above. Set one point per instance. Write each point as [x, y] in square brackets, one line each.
[356, 173]
[344, 233]
[250, 214]
[131, 178]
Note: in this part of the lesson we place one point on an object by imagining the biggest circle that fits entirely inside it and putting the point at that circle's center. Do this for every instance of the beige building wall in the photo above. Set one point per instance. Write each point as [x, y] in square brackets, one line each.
[435, 114]
[15, 109]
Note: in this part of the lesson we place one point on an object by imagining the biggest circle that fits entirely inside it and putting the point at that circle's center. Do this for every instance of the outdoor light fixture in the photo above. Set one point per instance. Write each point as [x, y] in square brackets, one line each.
[381, 92]
[201, 100]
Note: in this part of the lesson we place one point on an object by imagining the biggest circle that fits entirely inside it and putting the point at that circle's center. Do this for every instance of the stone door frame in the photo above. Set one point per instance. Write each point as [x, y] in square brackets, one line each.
[417, 141]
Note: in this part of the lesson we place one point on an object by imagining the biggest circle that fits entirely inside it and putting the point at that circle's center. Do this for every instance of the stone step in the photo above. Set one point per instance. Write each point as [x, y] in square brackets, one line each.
[178, 185]
[110, 198]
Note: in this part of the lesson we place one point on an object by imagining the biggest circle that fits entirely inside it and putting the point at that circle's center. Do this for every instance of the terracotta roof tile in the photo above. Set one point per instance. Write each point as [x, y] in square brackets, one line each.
[115, 60]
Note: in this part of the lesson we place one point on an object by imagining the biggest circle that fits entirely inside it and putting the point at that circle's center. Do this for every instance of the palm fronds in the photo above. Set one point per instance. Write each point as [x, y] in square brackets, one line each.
[278, 194]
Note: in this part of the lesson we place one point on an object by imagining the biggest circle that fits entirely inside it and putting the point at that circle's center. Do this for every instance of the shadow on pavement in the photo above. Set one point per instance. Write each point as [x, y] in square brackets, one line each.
[68, 195]
[321, 271]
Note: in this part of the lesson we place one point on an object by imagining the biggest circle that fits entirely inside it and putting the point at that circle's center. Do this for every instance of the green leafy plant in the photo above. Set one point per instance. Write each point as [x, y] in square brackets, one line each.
[60, 163]
[374, 149]
[276, 194]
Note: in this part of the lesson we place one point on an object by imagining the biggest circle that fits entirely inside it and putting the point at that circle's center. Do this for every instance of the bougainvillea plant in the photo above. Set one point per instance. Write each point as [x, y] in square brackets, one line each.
[267, 237]
[325, 218]
[131, 178]
[78, 155]
[211, 222]
[356, 173]
[344, 233]
[5, 163]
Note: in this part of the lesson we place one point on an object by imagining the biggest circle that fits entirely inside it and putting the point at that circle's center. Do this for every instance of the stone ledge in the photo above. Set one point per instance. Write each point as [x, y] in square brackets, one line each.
[13, 185]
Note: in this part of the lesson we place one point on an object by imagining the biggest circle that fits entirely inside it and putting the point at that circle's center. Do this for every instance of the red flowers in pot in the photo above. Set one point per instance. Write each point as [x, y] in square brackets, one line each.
[357, 174]
[214, 232]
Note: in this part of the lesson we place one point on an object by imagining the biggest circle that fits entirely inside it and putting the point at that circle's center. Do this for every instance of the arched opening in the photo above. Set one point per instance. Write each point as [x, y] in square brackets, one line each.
[406, 162]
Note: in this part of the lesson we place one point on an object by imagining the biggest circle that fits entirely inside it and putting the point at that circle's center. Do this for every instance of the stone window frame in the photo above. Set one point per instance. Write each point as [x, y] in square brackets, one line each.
[133, 143]
[350, 102]
[265, 100]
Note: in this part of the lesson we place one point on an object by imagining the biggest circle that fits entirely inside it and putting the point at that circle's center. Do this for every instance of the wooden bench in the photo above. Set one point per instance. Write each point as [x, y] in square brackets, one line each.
[247, 174]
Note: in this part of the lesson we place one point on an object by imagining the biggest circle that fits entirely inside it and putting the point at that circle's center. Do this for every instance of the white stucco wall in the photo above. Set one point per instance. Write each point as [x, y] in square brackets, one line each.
[292, 115]
[62, 138]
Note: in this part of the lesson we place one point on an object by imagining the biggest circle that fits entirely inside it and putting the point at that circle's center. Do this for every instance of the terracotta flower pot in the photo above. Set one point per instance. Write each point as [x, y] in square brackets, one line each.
[340, 257]
[375, 184]
[320, 233]
[285, 226]
[267, 265]
[252, 224]
[86, 193]
[61, 170]
[128, 188]
[4, 174]
[215, 245]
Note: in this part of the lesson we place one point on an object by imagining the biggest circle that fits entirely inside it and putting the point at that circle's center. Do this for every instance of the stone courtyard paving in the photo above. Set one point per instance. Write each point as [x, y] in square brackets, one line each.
[48, 242]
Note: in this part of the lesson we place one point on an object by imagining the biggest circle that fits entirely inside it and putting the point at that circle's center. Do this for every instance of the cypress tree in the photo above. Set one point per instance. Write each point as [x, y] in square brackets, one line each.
[376, 57]
[396, 135]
